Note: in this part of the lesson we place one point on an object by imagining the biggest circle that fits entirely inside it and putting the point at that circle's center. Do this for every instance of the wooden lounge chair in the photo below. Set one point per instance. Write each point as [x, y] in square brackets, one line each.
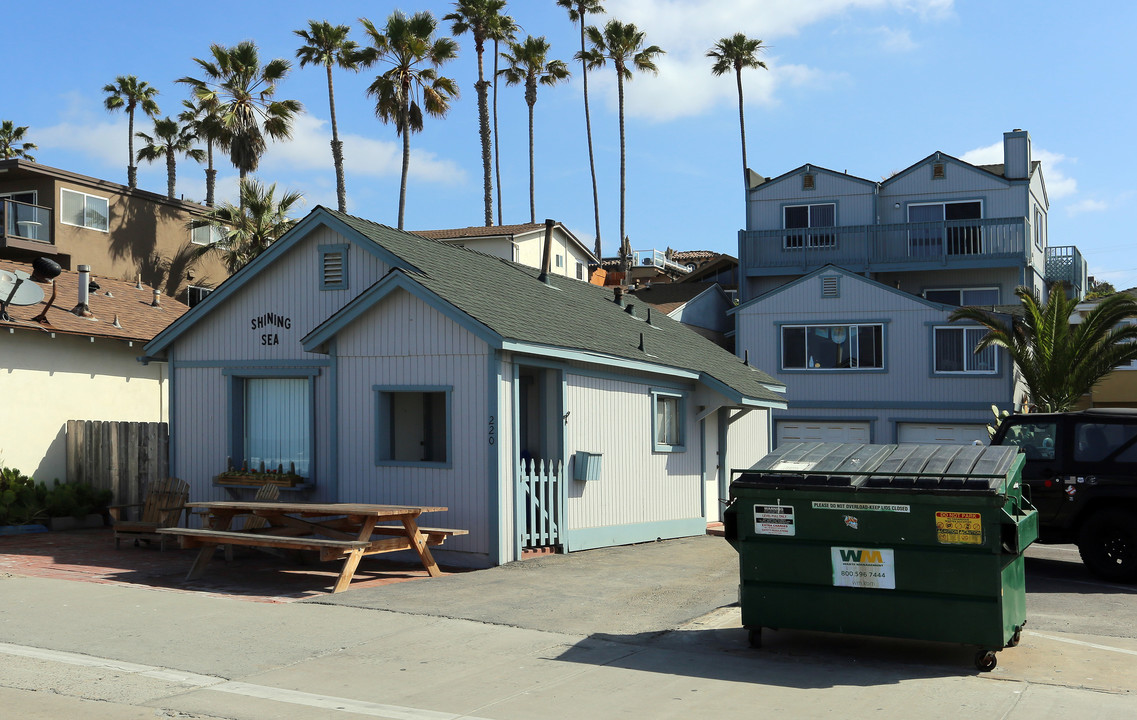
[162, 508]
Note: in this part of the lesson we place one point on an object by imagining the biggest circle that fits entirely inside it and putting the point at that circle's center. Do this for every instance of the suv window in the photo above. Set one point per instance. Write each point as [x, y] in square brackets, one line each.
[1035, 439]
[1105, 442]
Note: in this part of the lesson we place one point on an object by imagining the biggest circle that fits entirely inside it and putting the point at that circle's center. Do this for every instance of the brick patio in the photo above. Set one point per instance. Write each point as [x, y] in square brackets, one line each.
[90, 556]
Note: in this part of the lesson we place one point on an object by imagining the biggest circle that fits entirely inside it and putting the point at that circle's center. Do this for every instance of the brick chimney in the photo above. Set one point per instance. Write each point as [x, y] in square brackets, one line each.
[1016, 154]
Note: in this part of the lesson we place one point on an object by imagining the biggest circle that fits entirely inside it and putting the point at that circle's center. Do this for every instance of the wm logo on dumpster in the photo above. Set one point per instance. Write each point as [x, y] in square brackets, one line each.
[860, 556]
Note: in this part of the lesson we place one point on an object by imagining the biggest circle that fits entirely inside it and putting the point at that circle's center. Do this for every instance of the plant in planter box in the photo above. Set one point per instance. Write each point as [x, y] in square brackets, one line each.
[75, 499]
[21, 502]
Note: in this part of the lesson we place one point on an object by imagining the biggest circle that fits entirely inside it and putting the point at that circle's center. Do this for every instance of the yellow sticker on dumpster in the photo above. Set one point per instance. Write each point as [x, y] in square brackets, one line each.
[956, 528]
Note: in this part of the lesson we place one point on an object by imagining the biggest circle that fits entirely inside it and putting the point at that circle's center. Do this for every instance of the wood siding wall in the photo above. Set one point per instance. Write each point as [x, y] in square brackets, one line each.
[637, 485]
[402, 341]
[907, 383]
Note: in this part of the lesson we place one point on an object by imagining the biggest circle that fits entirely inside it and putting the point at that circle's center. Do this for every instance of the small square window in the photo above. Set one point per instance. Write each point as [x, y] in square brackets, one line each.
[560, 261]
[413, 426]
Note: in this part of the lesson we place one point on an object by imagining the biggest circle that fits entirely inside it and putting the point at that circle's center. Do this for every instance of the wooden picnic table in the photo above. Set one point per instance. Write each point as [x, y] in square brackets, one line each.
[347, 531]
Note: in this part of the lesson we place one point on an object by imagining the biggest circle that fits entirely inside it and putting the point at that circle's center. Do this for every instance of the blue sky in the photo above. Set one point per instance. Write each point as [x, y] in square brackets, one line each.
[867, 86]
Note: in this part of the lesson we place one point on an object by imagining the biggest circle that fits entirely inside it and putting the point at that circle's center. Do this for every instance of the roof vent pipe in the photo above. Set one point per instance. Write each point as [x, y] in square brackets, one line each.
[649, 316]
[618, 295]
[545, 256]
[157, 299]
[642, 343]
[83, 309]
[45, 270]
[631, 310]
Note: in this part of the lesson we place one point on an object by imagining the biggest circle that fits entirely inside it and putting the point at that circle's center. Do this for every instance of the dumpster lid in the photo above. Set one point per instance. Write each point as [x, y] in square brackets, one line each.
[977, 468]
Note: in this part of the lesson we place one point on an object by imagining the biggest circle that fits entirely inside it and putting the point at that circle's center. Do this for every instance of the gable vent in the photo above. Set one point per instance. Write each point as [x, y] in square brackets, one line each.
[830, 287]
[807, 181]
[333, 268]
[938, 171]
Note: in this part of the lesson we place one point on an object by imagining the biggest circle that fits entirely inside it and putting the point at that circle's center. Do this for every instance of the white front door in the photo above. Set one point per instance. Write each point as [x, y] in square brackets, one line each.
[821, 431]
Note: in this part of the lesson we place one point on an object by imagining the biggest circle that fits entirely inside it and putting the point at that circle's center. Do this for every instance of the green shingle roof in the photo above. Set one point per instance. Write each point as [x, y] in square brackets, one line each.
[510, 300]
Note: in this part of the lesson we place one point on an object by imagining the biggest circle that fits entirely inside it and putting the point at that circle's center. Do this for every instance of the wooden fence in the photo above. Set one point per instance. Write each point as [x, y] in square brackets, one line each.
[119, 456]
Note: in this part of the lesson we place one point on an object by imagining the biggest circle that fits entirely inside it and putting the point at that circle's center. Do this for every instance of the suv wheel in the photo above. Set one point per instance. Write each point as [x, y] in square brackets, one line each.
[1108, 544]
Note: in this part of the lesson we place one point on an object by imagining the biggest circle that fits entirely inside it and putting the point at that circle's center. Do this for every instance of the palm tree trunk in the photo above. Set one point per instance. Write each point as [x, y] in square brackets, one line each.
[588, 130]
[171, 175]
[484, 131]
[210, 174]
[496, 136]
[131, 170]
[623, 154]
[742, 124]
[337, 148]
[406, 158]
[532, 170]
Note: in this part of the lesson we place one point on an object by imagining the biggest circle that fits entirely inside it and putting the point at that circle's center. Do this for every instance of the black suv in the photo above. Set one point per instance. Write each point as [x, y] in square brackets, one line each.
[1081, 474]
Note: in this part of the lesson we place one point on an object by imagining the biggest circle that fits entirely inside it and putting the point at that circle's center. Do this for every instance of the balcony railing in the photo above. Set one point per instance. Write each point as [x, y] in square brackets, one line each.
[25, 226]
[879, 246]
[1065, 264]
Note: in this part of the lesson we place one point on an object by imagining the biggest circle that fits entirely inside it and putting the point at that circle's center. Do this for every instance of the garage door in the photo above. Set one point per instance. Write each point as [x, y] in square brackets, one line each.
[809, 431]
[937, 433]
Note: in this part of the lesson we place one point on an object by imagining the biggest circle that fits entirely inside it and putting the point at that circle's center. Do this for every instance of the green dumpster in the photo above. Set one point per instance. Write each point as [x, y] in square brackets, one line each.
[909, 541]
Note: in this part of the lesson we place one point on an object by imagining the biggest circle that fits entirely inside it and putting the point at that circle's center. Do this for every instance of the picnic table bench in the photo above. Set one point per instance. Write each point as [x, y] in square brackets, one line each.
[347, 531]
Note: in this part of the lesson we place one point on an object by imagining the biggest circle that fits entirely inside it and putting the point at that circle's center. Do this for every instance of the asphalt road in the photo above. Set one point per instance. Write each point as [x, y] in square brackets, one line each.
[645, 631]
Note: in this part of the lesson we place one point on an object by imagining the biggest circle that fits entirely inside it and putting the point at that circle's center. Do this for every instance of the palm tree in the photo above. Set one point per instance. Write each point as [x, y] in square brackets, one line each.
[204, 120]
[243, 92]
[478, 17]
[1060, 362]
[578, 11]
[407, 44]
[527, 64]
[170, 139]
[250, 228]
[12, 144]
[130, 93]
[735, 53]
[502, 30]
[622, 44]
[327, 45]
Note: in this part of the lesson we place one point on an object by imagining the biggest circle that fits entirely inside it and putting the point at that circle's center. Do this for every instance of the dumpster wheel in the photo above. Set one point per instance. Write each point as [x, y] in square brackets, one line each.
[985, 660]
[755, 637]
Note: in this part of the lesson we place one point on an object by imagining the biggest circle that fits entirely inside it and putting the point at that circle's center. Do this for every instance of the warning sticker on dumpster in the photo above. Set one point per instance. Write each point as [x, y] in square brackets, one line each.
[774, 520]
[956, 528]
[862, 507]
[863, 568]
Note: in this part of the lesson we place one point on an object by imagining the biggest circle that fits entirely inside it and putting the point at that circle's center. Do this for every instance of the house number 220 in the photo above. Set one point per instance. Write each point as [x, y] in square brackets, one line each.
[493, 430]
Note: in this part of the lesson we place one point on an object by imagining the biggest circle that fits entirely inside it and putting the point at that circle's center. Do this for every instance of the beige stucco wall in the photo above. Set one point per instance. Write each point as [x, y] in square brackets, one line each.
[45, 381]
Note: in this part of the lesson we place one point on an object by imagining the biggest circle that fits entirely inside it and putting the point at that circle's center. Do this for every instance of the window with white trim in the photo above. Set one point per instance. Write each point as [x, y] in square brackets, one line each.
[1039, 228]
[195, 294]
[206, 234]
[804, 218]
[961, 297]
[953, 350]
[83, 210]
[667, 428]
[832, 347]
[413, 425]
[560, 260]
[580, 271]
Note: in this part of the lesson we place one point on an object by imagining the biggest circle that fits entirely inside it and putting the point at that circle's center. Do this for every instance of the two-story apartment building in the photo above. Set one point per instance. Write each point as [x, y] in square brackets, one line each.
[524, 244]
[120, 233]
[846, 286]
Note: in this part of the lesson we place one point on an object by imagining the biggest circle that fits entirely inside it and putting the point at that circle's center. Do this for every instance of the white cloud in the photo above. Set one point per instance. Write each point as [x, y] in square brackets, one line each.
[102, 137]
[687, 28]
[1087, 205]
[310, 149]
[1058, 184]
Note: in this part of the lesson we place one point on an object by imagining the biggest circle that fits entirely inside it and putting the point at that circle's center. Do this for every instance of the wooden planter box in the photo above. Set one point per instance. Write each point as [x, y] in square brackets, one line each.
[94, 520]
[250, 479]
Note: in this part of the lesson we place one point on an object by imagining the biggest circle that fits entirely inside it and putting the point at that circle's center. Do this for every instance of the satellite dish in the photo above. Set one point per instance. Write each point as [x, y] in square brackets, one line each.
[27, 294]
